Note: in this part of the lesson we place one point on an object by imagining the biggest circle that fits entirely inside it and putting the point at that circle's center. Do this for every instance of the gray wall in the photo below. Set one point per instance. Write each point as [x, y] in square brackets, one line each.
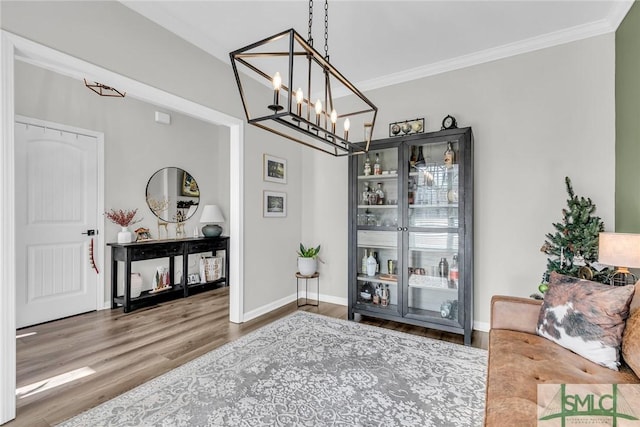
[110, 35]
[135, 147]
[536, 118]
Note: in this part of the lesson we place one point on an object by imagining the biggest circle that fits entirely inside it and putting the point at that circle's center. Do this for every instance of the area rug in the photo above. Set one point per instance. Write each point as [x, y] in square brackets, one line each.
[311, 370]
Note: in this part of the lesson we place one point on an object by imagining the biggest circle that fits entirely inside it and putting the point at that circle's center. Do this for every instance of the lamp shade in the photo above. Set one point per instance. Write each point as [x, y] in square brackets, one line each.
[211, 214]
[619, 249]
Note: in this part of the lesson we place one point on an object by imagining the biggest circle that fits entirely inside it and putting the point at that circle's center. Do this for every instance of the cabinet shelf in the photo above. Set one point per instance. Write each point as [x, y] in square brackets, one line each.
[432, 206]
[376, 279]
[384, 177]
[369, 306]
[377, 206]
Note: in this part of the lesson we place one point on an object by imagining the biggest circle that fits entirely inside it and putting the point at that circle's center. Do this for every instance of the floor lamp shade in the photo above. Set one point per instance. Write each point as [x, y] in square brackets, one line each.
[211, 217]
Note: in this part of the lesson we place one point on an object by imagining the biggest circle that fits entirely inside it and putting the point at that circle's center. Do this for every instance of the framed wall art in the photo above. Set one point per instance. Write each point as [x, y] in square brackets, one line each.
[275, 169]
[189, 186]
[274, 204]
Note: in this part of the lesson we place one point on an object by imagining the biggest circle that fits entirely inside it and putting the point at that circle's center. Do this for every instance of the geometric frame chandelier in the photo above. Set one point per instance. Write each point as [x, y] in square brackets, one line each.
[288, 88]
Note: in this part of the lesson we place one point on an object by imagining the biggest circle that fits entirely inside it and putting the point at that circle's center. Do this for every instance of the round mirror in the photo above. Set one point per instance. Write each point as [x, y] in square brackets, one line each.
[173, 194]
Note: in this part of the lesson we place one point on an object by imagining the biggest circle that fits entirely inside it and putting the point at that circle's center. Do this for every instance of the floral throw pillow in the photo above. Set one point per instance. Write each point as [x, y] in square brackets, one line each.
[585, 317]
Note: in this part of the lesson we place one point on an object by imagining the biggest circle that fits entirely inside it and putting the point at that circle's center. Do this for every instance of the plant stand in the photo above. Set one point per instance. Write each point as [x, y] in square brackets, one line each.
[299, 276]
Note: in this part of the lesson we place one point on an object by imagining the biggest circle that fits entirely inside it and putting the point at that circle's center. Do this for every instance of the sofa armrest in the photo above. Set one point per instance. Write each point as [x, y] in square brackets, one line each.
[515, 313]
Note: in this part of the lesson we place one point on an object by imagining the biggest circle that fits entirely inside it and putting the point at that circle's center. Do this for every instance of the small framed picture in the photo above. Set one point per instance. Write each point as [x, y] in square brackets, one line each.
[274, 204]
[193, 278]
[189, 186]
[275, 169]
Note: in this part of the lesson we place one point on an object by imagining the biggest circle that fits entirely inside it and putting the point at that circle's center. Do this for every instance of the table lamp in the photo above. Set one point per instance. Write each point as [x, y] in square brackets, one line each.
[211, 216]
[621, 250]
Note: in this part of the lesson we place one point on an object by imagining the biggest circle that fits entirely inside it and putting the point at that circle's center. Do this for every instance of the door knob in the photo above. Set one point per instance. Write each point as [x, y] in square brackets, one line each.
[90, 232]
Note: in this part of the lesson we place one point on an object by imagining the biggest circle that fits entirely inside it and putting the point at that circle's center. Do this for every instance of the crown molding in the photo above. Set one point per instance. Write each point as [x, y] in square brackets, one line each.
[619, 9]
[501, 52]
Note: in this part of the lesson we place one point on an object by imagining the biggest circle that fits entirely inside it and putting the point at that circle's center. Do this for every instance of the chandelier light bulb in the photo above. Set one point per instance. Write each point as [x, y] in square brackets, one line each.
[277, 81]
[318, 112]
[299, 99]
[334, 119]
[347, 125]
[277, 84]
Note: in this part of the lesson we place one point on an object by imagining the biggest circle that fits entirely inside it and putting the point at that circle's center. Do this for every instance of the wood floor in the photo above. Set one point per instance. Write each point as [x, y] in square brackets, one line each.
[126, 350]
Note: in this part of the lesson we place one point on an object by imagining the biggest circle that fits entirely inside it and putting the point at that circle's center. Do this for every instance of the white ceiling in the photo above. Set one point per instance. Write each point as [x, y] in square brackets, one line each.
[378, 43]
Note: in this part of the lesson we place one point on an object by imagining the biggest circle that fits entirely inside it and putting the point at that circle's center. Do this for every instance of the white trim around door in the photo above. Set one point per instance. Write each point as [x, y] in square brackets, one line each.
[17, 48]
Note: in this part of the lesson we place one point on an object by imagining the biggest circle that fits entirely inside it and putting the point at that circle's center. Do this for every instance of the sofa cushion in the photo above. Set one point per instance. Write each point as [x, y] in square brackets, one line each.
[586, 317]
[631, 339]
[519, 361]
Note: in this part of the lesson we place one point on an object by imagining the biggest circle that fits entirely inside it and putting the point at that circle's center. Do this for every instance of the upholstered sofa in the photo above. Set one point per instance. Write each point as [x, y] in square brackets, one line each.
[519, 360]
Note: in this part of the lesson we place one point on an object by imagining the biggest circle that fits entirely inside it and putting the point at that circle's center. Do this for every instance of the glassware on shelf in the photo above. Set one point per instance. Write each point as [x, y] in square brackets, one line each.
[449, 155]
[371, 265]
[365, 194]
[367, 166]
[454, 273]
[377, 166]
[380, 194]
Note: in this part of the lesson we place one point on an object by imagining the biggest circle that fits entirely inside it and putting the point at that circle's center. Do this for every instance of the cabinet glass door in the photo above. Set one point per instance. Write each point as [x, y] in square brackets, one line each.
[377, 231]
[433, 232]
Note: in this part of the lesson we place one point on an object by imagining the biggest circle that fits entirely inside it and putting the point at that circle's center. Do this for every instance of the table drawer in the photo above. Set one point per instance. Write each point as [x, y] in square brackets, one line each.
[157, 251]
[196, 247]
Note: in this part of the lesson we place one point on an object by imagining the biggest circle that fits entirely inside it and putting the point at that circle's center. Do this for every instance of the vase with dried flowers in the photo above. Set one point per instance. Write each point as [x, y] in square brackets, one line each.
[123, 218]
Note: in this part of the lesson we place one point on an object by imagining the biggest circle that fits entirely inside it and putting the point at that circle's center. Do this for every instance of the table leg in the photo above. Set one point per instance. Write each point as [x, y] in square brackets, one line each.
[114, 281]
[127, 283]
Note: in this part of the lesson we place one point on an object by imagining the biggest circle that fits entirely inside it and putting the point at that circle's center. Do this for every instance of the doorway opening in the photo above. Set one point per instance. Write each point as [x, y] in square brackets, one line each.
[17, 48]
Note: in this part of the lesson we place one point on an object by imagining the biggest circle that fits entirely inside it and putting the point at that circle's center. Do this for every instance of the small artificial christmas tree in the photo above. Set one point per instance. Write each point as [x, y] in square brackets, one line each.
[573, 247]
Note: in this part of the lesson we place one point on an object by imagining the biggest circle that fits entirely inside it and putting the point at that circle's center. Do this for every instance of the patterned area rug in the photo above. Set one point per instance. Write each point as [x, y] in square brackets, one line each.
[311, 370]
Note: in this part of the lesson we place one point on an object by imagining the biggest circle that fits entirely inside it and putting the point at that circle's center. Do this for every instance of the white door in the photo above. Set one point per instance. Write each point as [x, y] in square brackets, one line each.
[56, 202]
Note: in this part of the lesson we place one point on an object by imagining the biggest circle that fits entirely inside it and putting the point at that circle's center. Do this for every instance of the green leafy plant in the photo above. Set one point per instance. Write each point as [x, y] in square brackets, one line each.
[309, 252]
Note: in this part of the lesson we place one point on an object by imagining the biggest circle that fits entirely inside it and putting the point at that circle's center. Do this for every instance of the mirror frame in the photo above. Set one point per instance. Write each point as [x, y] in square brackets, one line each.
[185, 191]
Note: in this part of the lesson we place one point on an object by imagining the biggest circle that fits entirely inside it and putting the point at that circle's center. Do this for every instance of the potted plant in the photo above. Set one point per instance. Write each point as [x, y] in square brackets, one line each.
[308, 260]
[123, 218]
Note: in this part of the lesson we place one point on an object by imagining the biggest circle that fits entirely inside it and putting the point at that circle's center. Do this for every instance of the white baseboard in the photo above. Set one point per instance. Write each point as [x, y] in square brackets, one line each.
[481, 326]
[289, 299]
[250, 315]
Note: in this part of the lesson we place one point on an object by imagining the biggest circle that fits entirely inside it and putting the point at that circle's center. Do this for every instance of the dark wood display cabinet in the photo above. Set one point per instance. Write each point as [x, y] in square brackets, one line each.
[153, 249]
[411, 209]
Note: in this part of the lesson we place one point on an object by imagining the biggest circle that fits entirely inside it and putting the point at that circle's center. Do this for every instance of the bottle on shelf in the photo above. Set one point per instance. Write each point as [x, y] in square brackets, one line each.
[375, 256]
[376, 295]
[443, 268]
[414, 156]
[454, 273]
[367, 166]
[365, 194]
[384, 300]
[420, 163]
[377, 166]
[449, 155]
[364, 263]
[371, 265]
[380, 194]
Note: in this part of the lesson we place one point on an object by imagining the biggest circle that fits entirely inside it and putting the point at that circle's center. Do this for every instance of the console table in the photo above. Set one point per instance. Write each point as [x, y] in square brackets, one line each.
[152, 249]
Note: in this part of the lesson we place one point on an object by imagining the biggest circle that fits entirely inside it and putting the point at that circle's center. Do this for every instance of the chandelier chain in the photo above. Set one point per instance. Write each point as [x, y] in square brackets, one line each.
[310, 37]
[326, 30]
